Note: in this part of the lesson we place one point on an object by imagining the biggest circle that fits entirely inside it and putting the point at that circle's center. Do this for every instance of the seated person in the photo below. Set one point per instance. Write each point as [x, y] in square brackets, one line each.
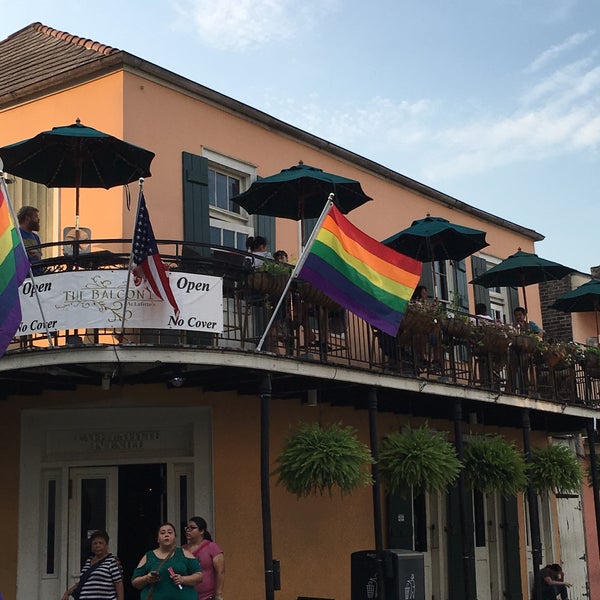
[281, 256]
[420, 294]
[29, 224]
[521, 322]
[481, 313]
[258, 246]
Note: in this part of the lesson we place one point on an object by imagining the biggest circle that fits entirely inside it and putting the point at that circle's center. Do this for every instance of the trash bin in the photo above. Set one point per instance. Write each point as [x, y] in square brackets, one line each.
[401, 572]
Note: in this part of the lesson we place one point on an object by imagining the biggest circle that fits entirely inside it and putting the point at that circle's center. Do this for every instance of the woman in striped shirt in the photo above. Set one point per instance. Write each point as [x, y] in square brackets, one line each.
[101, 576]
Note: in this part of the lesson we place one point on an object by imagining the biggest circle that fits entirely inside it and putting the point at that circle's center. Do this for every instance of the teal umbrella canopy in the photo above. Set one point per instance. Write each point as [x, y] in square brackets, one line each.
[585, 298]
[520, 270]
[301, 192]
[435, 238]
[76, 156]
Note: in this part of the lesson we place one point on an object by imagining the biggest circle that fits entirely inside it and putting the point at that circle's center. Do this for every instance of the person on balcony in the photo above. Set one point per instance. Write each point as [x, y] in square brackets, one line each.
[29, 223]
[523, 324]
[481, 314]
[281, 256]
[258, 247]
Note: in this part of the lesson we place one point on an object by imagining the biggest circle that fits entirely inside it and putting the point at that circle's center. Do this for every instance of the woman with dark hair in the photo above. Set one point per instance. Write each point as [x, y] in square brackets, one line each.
[209, 555]
[169, 572]
[258, 246]
[101, 575]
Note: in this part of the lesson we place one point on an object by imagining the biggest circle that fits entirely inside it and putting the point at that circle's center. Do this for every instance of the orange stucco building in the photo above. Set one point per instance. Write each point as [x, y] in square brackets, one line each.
[201, 442]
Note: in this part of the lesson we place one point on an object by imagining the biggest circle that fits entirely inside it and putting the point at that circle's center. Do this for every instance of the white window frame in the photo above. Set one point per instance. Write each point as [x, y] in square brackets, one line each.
[498, 300]
[246, 173]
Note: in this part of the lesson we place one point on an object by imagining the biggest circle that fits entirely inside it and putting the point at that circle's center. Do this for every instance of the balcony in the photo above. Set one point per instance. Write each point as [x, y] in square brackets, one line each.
[434, 346]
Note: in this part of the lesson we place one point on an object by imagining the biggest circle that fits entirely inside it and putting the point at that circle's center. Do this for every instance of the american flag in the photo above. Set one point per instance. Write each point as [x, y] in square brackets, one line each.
[149, 266]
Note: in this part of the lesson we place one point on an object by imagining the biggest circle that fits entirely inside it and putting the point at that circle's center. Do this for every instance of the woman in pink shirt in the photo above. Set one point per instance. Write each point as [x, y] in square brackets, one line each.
[209, 555]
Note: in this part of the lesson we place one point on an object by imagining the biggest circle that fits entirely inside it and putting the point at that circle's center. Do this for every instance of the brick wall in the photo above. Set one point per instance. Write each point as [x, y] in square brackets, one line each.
[555, 323]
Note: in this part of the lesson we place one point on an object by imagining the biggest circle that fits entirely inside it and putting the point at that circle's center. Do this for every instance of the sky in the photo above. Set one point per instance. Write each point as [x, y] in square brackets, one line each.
[494, 102]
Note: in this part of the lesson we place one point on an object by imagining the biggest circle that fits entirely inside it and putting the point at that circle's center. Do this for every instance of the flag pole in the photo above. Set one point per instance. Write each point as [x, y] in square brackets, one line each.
[16, 224]
[296, 269]
[127, 285]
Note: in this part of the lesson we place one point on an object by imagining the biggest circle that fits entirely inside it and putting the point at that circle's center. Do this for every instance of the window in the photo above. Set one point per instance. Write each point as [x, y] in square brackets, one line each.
[230, 225]
[46, 200]
[221, 188]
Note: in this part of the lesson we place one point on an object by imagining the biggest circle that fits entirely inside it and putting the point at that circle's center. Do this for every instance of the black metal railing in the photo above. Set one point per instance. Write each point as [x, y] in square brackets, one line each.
[434, 343]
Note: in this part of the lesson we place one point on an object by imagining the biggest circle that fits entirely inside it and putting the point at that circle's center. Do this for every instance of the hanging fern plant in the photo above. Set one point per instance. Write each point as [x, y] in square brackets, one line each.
[420, 458]
[494, 464]
[555, 468]
[315, 459]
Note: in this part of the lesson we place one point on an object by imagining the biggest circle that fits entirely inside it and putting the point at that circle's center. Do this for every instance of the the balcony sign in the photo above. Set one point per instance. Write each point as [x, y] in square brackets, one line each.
[95, 299]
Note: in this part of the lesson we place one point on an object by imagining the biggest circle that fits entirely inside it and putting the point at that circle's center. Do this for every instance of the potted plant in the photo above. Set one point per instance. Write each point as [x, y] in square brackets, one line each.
[491, 337]
[555, 468]
[494, 464]
[592, 361]
[270, 278]
[315, 459]
[418, 458]
[421, 318]
[457, 325]
[525, 342]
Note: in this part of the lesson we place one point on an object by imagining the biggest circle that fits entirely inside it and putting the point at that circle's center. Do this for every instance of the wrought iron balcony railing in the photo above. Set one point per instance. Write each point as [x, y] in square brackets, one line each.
[434, 342]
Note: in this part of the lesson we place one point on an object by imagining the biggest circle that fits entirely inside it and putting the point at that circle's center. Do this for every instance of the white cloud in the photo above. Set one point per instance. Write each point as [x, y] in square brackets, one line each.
[558, 116]
[239, 24]
[555, 51]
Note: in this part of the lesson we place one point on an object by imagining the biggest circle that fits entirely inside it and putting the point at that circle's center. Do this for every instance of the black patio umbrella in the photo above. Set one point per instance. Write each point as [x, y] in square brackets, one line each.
[585, 298]
[435, 238]
[520, 270]
[300, 192]
[76, 156]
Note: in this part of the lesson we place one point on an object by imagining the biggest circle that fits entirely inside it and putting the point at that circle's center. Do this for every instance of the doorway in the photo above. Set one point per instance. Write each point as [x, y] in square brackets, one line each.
[129, 502]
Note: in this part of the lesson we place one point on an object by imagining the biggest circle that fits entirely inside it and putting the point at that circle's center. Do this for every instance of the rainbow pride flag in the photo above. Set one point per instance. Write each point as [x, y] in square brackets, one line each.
[360, 273]
[14, 266]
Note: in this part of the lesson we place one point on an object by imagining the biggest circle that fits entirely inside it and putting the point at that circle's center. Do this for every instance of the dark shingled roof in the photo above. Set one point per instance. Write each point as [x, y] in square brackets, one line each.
[36, 56]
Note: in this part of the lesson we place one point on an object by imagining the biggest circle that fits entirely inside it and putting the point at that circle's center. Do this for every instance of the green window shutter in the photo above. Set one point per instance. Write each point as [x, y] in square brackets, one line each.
[462, 290]
[513, 300]
[308, 226]
[196, 220]
[512, 562]
[482, 294]
[427, 278]
[457, 584]
[265, 226]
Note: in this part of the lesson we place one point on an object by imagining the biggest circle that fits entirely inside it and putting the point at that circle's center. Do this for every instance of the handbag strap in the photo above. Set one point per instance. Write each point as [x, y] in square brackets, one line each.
[83, 579]
[162, 562]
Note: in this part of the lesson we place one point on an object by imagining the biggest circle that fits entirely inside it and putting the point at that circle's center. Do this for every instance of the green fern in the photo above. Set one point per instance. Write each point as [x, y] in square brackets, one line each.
[315, 459]
[494, 464]
[555, 468]
[419, 458]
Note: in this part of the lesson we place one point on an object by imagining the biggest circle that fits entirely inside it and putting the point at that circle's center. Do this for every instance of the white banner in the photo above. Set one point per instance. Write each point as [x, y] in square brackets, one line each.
[95, 299]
